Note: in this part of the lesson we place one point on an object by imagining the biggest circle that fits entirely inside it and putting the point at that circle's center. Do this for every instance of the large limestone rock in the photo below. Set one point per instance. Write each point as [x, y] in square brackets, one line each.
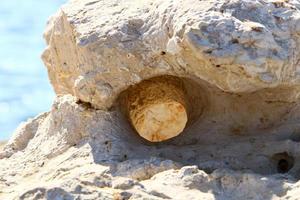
[231, 70]
[96, 49]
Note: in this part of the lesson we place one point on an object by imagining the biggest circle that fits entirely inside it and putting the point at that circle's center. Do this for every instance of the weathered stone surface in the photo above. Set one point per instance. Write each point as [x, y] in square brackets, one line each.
[96, 50]
[237, 62]
[80, 152]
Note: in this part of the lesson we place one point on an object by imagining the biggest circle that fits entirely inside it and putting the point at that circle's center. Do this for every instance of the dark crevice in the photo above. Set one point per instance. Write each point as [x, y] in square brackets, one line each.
[284, 162]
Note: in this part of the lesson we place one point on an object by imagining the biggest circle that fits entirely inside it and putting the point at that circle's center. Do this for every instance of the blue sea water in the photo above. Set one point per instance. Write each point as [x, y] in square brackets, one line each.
[25, 90]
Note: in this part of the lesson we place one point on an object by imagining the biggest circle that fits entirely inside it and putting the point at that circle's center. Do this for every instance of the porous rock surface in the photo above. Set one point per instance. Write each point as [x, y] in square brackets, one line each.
[239, 64]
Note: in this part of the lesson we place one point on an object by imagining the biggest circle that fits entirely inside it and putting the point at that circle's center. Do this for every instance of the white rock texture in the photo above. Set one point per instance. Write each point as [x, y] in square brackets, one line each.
[98, 48]
[239, 64]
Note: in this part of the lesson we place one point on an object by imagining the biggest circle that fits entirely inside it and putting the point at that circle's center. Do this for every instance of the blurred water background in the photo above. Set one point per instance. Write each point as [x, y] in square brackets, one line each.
[24, 87]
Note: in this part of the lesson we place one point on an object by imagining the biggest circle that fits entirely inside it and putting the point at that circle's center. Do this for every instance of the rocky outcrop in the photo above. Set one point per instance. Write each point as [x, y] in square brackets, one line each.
[236, 46]
[230, 69]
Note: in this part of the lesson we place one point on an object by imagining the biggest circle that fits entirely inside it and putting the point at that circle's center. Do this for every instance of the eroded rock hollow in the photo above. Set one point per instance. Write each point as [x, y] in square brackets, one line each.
[165, 99]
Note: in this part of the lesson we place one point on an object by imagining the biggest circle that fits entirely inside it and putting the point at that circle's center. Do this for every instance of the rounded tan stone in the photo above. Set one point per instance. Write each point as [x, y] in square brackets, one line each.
[157, 108]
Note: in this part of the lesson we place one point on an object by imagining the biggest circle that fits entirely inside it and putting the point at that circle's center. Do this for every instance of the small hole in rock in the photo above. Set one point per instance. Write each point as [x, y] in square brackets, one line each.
[163, 53]
[235, 41]
[284, 162]
[283, 166]
[209, 51]
[86, 105]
